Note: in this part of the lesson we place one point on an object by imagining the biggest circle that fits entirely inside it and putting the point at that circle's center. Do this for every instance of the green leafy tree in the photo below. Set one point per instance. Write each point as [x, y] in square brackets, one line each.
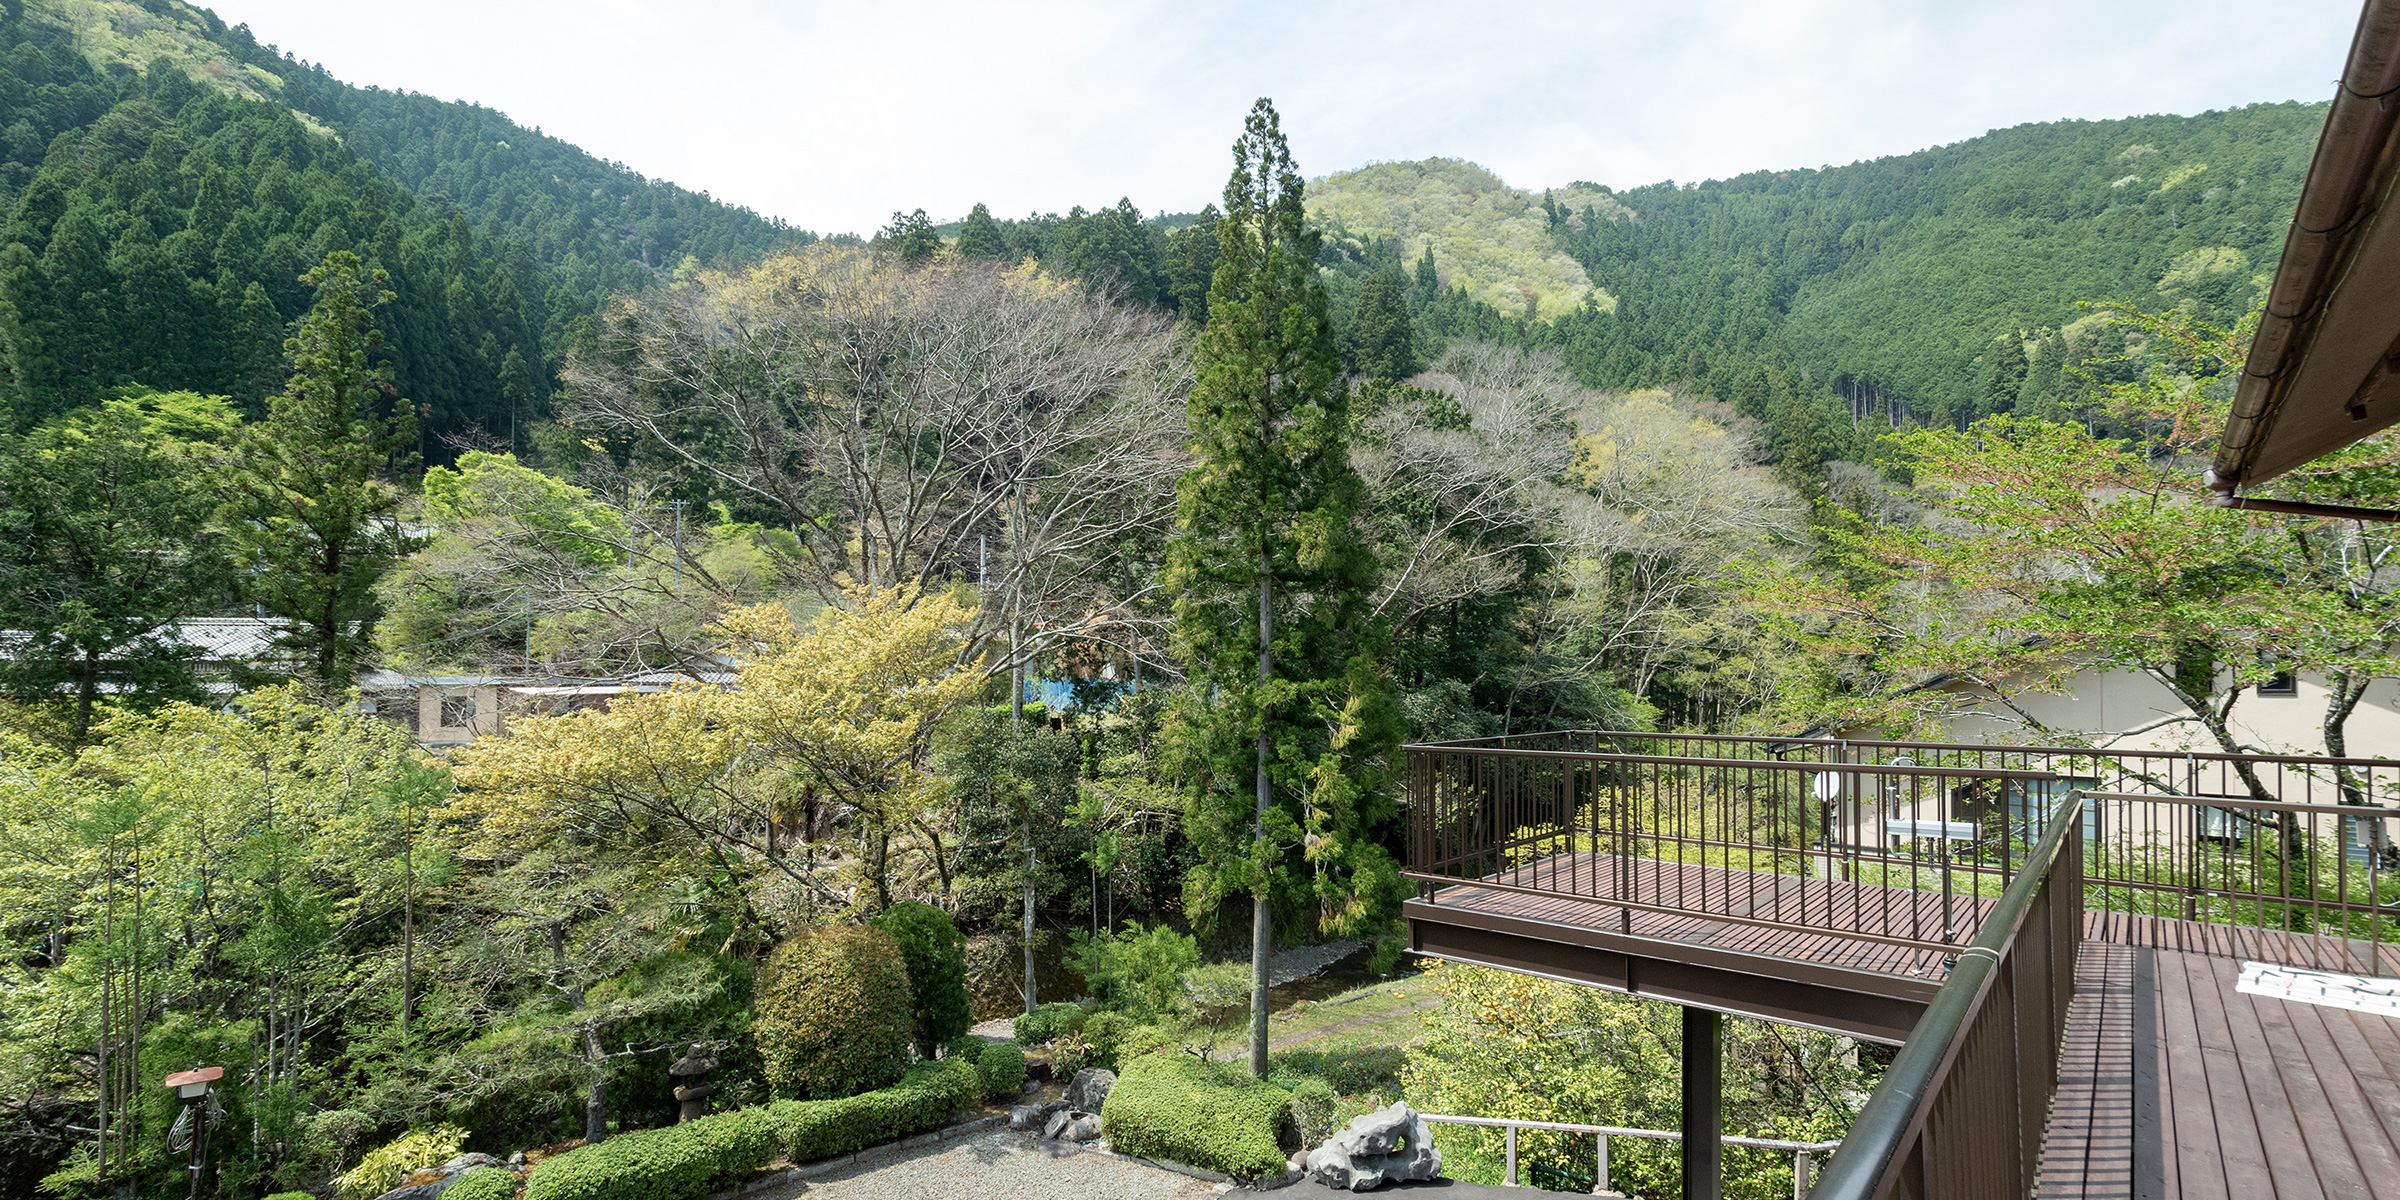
[980, 236]
[312, 510]
[910, 236]
[1290, 733]
[936, 955]
[105, 543]
[1429, 284]
[1381, 329]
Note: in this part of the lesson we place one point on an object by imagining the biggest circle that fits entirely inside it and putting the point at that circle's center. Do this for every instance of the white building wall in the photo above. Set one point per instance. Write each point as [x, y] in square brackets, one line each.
[2098, 703]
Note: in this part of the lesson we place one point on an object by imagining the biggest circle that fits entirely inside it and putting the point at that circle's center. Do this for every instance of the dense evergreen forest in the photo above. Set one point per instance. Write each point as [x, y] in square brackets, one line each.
[160, 221]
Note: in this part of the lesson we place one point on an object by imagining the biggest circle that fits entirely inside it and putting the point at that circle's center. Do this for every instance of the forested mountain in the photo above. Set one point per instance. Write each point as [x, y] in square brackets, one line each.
[162, 210]
[1909, 276]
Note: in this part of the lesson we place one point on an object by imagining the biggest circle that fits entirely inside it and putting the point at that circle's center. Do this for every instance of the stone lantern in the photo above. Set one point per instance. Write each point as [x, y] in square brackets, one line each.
[692, 1088]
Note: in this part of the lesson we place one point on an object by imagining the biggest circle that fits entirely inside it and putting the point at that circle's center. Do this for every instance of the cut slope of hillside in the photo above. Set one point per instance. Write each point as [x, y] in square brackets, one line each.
[1489, 240]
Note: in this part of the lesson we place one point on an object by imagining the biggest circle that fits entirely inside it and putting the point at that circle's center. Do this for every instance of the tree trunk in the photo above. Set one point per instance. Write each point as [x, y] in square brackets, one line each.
[1262, 937]
[595, 1102]
[1028, 925]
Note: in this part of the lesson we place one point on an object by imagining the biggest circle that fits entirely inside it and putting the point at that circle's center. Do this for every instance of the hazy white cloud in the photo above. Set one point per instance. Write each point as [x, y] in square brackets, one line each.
[834, 115]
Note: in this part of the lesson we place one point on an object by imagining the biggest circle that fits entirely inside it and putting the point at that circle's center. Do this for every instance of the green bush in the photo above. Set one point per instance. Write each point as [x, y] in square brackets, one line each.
[1312, 1110]
[1003, 1068]
[296, 1196]
[696, 1157]
[1145, 1039]
[482, 1183]
[1184, 1109]
[1105, 1033]
[937, 970]
[1049, 1021]
[833, 1013]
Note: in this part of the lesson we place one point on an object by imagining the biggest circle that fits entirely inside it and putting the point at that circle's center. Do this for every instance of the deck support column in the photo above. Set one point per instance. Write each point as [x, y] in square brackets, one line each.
[1703, 1105]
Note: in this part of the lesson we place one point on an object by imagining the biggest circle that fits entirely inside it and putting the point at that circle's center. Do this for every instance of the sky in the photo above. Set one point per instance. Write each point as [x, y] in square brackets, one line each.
[835, 116]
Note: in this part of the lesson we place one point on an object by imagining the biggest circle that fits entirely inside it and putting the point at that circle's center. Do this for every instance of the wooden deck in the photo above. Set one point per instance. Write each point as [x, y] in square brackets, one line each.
[2174, 1084]
[1831, 922]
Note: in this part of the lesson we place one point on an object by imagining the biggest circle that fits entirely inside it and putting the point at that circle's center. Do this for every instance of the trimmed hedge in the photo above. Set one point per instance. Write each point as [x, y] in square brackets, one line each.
[482, 1183]
[1173, 1106]
[1003, 1067]
[697, 1157]
[1049, 1021]
[833, 1015]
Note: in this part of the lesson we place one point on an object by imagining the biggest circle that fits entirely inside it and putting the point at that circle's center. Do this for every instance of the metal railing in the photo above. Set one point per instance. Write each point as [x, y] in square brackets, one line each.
[1873, 857]
[1960, 1113]
[1801, 1152]
[2275, 845]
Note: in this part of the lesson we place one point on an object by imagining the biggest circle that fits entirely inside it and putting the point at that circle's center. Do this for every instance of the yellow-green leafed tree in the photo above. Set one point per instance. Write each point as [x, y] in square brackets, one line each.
[810, 772]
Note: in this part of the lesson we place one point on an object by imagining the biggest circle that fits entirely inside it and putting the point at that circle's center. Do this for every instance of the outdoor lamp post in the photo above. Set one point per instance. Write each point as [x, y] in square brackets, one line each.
[197, 1091]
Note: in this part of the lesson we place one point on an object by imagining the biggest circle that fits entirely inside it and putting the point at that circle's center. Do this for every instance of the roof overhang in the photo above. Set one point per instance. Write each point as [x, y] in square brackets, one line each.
[2324, 369]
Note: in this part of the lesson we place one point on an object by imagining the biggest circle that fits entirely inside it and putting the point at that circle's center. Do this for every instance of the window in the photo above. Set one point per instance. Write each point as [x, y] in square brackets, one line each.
[2281, 683]
[458, 712]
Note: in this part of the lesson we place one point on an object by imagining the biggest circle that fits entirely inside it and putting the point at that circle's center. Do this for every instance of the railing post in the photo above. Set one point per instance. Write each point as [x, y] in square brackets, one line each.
[1703, 1105]
[1600, 1169]
[1512, 1156]
[1799, 1175]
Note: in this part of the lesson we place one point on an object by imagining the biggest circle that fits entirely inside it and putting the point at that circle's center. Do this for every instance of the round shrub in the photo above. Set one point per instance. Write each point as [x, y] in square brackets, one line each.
[1312, 1110]
[1049, 1021]
[292, 1196]
[832, 1013]
[1003, 1067]
[483, 1183]
[936, 955]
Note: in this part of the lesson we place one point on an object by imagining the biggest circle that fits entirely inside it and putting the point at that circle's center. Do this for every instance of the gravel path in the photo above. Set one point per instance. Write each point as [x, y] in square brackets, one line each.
[997, 1166]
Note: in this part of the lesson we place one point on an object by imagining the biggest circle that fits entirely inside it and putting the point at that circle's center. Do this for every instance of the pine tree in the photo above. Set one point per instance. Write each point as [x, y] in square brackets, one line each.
[310, 509]
[1290, 728]
[980, 236]
[104, 544]
[1380, 330]
[1429, 284]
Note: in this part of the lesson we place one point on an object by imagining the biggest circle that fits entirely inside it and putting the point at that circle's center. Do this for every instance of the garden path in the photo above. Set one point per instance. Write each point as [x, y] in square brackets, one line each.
[996, 1166]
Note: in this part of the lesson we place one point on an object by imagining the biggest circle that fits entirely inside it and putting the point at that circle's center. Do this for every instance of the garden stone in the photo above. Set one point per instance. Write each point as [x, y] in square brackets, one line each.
[1090, 1087]
[448, 1174]
[1027, 1117]
[1068, 1125]
[1382, 1146]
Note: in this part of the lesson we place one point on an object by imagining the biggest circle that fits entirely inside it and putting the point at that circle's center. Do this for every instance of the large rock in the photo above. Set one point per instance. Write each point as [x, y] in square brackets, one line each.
[1089, 1089]
[1033, 1118]
[1068, 1125]
[1388, 1144]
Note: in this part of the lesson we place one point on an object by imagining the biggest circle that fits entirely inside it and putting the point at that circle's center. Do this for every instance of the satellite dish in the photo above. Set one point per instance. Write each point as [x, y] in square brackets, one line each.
[1828, 786]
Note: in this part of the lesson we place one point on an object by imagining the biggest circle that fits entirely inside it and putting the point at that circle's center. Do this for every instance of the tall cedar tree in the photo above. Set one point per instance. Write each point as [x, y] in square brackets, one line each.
[1292, 729]
[310, 509]
[1384, 344]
